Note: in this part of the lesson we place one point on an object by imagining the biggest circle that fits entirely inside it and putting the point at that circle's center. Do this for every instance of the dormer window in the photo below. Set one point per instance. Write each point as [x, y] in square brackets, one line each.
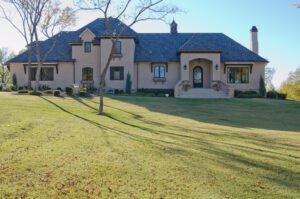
[87, 47]
[118, 48]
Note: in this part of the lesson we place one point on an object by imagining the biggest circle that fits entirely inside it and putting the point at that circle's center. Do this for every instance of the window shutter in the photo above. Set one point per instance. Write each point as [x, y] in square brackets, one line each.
[167, 67]
[151, 68]
[111, 74]
[122, 73]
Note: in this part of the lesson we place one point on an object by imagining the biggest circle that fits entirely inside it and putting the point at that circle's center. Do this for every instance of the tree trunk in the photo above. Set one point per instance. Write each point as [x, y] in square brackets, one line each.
[101, 93]
[29, 67]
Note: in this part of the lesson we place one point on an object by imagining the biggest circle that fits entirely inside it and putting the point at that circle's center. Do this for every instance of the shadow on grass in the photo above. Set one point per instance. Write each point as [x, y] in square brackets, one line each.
[186, 145]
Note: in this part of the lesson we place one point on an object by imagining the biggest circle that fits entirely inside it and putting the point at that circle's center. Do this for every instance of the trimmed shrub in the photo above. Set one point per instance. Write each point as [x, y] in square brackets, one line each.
[69, 91]
[262, 87]
[59, 89]
[14, 81]
[128, 84]
[36, 93]
[44, 87]
[247, 94]
[21, 88]
[118, 91]
[83, 92]
[281, 96]
[272, 95]
[48, 92]
[6, 89]
[56, 93]
[156, 92]
[1, 87]
[13, 88]
[23, 91]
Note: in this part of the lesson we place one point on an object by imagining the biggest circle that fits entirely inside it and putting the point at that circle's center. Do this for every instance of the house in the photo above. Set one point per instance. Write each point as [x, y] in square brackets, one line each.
[193, 64]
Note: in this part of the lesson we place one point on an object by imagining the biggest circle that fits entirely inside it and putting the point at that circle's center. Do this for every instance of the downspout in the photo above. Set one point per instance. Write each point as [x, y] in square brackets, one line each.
[137, 77]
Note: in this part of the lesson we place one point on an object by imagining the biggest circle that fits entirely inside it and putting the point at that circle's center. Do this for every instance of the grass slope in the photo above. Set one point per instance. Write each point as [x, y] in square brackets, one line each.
[148, 148]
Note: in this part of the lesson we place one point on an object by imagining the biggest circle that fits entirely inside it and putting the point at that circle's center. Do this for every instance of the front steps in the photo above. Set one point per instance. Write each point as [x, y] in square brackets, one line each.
[203, 93]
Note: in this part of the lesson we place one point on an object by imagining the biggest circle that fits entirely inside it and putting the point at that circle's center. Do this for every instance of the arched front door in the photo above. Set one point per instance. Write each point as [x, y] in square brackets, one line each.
[198, 77]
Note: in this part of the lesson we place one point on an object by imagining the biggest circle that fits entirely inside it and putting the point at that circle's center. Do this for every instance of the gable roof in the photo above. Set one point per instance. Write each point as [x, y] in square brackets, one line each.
[150, 47]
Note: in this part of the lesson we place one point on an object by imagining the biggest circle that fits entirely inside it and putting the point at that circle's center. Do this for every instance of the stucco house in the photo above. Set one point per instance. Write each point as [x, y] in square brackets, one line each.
[193, 64]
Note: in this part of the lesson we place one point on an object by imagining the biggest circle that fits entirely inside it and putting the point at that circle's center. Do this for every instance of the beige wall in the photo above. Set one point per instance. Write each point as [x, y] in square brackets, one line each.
[206, 67]
[126, 60]
[145, 76]
[63, 79]
[185, 59]
[258, 70]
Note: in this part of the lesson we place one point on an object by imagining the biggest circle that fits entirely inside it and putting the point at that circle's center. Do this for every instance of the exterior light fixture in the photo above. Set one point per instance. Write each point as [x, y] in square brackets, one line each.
[217, 67]
[184, 67]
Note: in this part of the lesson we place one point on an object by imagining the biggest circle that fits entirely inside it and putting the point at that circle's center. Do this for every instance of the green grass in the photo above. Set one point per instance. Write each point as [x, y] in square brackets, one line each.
[54, 147]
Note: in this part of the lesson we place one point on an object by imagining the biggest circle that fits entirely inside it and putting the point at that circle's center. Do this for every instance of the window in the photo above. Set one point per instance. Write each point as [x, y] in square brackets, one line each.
[46, 74]
[159, 71]
[116, 73]
[87, 74]
[87, 47]
[238, 75]
[118, 48]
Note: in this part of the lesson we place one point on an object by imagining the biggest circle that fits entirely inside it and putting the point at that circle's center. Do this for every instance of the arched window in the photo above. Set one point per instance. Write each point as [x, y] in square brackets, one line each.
[159, 71]
[87, 74]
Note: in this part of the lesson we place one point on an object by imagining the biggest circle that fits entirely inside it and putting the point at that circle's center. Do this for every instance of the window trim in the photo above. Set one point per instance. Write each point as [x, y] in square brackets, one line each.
[121, 75]
[82, 79]
[238, 66]
[85, 49]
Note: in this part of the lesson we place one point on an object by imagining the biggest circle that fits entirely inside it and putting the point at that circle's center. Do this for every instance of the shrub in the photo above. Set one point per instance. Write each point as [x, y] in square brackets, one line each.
[14, 80]
[23, 91]
[36, 93]
[262, 87]
[48, 92]
[272, 95]
[56, 93]
[282, 96]
[59, 89]
[246, 94]
[1, 87]
[128, 84]
[83, 92]
[21, 88]
[13, 88]
[7, 89]
[69, 91]
[157, 92]
[118, 91]
[44, 87]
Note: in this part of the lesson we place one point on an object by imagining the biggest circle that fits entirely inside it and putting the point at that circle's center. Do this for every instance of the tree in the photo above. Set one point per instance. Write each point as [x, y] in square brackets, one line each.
[269, 74]
[53, 20]
[38, 17]
[4, 73]
[25, 13]
[262, 87]
[291, 86]
[132, 11]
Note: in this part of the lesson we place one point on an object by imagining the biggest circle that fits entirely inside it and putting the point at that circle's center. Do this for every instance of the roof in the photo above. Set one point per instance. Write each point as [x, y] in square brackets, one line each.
[150, 47]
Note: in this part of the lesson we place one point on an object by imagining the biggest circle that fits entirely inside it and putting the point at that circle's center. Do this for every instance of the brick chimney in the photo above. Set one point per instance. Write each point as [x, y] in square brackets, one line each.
[254, 40]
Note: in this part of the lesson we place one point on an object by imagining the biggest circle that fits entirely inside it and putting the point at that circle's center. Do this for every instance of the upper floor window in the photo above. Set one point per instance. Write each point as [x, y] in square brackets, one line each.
[238, 75]
[117, 73]
[87, 47]
[46, 74]
[87, 74]
[159, 71]
[118, 48]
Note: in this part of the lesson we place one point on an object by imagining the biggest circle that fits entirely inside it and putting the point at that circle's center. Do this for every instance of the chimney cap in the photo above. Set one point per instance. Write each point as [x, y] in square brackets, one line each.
[254, 29]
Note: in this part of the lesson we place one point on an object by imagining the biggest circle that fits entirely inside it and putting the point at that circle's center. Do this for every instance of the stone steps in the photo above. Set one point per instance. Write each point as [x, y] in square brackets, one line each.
[203, 93]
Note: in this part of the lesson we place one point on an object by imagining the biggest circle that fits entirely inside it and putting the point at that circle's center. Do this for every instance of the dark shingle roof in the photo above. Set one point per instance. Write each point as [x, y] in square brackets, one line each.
[150, 46]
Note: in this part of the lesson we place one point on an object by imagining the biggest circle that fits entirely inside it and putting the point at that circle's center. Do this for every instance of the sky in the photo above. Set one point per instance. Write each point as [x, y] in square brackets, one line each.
[278, 23]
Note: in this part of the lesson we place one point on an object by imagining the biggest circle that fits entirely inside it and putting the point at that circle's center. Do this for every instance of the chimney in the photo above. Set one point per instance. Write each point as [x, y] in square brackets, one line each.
[174, 27]
[254, 39]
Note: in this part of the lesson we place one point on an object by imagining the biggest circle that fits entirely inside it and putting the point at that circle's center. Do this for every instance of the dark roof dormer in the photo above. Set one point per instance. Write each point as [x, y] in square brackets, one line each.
[174, 27]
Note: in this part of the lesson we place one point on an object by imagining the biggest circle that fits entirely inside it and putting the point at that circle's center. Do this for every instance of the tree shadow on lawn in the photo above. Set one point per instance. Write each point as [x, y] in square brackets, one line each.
[185, 146]
[241, 113]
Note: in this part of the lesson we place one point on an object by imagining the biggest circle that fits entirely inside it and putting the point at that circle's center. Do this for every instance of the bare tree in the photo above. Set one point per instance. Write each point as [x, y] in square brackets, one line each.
[53, 20]
[132, 11]
[24, 11]
[4, 73]
[269, 74]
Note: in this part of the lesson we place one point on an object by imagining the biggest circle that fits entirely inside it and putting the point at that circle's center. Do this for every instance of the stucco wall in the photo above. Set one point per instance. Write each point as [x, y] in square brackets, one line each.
[63, 79]
[258, 70]
[145, 76]
[126, 60]
[207, 74]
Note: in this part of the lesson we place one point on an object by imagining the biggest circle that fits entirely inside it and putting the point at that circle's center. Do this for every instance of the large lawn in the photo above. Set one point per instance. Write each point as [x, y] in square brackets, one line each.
[148, 148]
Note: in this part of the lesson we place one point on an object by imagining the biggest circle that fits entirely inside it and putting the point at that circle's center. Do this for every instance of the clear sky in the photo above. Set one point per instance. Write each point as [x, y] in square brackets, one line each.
[278, 22]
